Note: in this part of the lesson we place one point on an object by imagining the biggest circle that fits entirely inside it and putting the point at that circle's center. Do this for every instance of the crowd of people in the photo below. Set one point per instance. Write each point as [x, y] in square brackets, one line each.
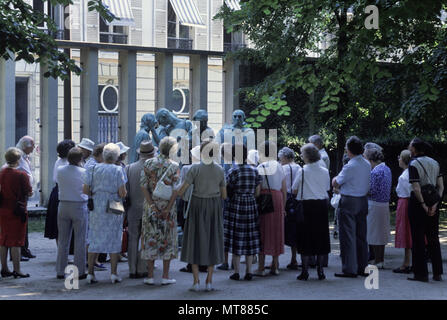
[248, 203]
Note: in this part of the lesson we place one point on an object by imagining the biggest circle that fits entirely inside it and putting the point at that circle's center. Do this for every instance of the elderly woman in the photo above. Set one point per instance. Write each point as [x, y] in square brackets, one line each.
[311, 186]
[241, 230]
[105, 183]
[286, 157]
[159, 223]
[203, 235]
[271, 224]
[14, 187]
[51, 217]
[378, 219]
[403, 231]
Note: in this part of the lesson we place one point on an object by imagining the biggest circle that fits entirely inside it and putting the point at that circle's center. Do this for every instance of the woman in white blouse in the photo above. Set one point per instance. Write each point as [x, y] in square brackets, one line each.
[271, 225]
[312, 185]
[287, 156]
[403, 231]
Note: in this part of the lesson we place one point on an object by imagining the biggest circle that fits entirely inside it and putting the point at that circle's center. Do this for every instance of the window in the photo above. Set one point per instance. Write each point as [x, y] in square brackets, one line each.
[178, 34]
[112, 34]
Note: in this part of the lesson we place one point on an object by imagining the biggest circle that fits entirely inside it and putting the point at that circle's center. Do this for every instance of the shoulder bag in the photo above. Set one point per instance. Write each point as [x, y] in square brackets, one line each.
[429, 191]
[162, 190]
[115, 207]
[90, 204]
[265, 200]
[294, 207]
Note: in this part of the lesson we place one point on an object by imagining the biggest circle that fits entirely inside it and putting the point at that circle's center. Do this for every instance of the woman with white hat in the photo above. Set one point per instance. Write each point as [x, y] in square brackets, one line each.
[86, 146]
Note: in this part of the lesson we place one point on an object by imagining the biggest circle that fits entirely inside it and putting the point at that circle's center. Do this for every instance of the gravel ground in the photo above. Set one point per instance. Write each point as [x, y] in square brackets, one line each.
[43, 283]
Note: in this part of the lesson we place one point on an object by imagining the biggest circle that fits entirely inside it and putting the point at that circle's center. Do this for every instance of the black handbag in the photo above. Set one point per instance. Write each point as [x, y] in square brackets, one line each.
[294, 207]
[265, 200]
[90, 204]
[429, 191]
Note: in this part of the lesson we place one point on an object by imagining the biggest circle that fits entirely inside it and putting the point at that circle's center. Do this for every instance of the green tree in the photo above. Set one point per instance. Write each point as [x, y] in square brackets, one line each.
[349, 78]
[22, 39]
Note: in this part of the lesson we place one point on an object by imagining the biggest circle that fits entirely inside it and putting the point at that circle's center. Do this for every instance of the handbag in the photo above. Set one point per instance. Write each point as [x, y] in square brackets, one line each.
[115, 207]
[429, 191]
[90, 204]
[294, 207]
[265, 200]
[162, 190]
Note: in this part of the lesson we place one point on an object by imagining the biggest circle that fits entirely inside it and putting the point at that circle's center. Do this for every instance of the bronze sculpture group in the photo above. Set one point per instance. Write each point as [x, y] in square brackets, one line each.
[166, 123]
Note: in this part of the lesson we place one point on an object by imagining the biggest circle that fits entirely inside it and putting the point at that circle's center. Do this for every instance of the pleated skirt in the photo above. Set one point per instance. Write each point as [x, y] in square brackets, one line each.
[271, 226]
[203, 235]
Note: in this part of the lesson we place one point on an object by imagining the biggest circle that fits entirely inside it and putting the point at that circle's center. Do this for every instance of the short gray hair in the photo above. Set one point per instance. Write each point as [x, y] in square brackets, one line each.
[316, 140]
[372, 145]
[25, 142]
[111, 152]
[373, 154]
[311, 152]
[286, 153]
[166, 144]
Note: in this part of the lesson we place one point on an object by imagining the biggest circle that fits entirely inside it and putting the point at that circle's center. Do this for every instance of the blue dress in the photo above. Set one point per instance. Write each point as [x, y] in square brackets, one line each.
[105, 229]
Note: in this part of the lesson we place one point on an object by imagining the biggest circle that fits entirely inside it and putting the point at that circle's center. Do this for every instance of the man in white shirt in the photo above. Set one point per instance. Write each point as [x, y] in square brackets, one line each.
[26, 145]
[318, 142]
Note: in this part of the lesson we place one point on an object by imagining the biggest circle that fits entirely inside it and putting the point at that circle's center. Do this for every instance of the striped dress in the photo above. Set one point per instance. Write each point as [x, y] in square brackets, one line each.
[241, 227]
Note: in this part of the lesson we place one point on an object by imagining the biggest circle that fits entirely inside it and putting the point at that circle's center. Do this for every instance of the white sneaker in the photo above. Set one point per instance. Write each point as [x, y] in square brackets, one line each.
[194, 287]
[167, 281]
[114, 278]
[91, 279]
[209, 287]
[149, 281]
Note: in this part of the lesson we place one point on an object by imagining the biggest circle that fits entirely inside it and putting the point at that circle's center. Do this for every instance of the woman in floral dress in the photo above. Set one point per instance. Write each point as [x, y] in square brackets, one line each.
[159, 225]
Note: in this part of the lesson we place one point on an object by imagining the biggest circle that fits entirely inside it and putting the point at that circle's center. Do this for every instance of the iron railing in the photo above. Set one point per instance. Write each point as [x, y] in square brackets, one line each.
[229, 47]
[179, 43]
[108, 127]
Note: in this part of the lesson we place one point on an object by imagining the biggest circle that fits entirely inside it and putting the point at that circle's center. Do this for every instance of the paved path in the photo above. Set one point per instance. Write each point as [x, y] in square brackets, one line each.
[44, 285]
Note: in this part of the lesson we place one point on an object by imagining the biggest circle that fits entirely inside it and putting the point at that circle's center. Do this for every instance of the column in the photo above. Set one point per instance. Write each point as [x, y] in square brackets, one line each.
[198, 82]
[48, 133]
[128, 96]
[7, 106]
[163, 78]
[231, 87]
[89, 94]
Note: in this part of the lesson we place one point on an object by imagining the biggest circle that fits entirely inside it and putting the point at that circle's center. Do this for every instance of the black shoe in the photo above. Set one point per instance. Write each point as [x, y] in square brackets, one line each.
[20, 275]
[345, 275]
[437, 277]
[185, 269]
[292, 266]
[132, 275]
[6, 274]
[303, 276]
[24, 259]
[141, 275]
[321, 275]
[248, 277]
[60, 277]
[405, 270]
[363, 274]
[82, 277]
[27, 253]
[425, 279]
[223, 266]
[235, 276]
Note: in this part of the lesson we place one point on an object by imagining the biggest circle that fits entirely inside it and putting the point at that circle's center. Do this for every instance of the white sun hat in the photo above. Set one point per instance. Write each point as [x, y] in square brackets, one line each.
[86, 144]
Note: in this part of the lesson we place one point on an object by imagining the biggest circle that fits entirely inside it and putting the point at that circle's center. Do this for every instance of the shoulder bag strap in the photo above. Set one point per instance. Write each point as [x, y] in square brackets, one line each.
[266, 178]
[164, 174]
[93, 177]
[302, 183]
[291, 175]
[428, 177]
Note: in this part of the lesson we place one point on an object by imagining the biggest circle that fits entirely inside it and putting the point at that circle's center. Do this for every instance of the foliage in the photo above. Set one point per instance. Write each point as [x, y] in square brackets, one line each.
[23, 39]
[366, 81]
